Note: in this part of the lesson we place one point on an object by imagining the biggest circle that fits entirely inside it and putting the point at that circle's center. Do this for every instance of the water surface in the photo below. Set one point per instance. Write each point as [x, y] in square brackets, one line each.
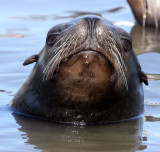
[23, 28]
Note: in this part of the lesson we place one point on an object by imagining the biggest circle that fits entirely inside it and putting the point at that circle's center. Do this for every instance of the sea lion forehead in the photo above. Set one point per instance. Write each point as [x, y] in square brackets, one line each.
[57, 29]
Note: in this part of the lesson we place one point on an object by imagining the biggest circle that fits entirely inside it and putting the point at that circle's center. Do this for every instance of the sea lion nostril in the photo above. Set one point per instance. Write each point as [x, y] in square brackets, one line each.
[91, 22]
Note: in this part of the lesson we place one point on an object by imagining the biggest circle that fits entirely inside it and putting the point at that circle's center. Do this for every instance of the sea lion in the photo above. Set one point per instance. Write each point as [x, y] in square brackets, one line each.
[146, 12]
[87, 72]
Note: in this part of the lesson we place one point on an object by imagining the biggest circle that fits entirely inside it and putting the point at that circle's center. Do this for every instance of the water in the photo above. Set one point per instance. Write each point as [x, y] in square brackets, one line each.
[23, 28]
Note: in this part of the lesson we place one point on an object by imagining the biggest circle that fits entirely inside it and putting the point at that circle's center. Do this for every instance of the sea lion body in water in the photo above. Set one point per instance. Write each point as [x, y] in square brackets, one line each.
[86, 72]
[146, 12]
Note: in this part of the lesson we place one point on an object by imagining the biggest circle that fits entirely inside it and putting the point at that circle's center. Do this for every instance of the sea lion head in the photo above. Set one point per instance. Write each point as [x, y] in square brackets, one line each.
[87, 71]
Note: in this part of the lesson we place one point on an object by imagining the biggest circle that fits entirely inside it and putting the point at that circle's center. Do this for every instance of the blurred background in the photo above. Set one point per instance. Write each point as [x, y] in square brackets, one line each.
[23, 28]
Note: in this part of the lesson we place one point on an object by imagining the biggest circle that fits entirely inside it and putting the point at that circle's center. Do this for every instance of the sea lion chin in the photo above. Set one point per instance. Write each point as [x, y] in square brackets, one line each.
[86, 72]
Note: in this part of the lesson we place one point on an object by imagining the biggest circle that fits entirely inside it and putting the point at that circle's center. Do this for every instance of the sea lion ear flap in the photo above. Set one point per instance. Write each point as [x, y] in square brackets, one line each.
[143, 77]
[31, 59]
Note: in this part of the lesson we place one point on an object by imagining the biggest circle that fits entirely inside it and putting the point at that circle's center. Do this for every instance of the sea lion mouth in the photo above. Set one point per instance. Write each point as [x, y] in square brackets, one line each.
[86, 52]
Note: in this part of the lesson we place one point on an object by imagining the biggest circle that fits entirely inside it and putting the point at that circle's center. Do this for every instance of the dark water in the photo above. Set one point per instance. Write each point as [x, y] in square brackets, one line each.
[23, 28]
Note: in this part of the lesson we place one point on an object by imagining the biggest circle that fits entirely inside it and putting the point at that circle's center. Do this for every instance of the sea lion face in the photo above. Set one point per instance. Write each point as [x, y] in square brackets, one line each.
[87, 57]
[87, 71]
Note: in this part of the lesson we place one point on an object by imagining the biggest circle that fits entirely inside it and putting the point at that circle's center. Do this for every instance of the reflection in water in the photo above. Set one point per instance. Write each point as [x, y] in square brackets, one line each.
[17, 29]
[49, 136]
[12, 35]
[31, 18]
[75, 14]
[5, 91]
[2, 90]
[153, 76]
[152, 118]
[145, 39]
[52, 137]
[114, 10]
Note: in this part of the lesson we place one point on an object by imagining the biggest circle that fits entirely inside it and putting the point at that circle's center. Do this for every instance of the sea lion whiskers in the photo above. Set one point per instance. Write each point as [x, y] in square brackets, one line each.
[119, 65]
[55, 46]
[101, 41]
[80, 46]
[53, 64]
[48, 65]
[111, 51]
[68, 46]
[75, 44]
[46, 72]
[115, 48]
[67, 49]
[56, 51]
[121, 70]
[60, 55]
[119, 55]
[57, 58]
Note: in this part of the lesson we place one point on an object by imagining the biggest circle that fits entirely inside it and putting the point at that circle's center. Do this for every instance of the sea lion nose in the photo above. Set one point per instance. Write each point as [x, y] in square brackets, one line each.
[91, 22]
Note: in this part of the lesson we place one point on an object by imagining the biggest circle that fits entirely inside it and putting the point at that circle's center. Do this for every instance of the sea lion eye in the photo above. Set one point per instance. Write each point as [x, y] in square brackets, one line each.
[127, 45]
[51, 39]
